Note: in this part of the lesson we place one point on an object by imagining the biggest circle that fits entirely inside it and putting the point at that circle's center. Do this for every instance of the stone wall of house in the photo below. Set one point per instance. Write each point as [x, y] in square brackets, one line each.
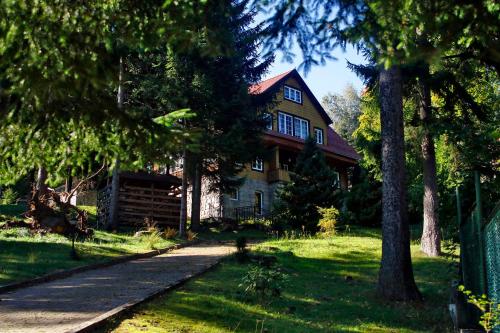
[246, 195]
[216, 205]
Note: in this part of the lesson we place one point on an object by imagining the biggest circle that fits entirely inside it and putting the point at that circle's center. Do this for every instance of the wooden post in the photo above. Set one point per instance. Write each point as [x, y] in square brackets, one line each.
[183, 214]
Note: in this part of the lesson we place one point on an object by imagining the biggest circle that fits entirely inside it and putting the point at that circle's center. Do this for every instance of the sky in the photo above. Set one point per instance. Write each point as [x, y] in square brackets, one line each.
[332, 77]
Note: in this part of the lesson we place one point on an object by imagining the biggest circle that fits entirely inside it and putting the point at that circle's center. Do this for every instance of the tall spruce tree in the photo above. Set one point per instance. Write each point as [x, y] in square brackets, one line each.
[215, 88]
[312, 185]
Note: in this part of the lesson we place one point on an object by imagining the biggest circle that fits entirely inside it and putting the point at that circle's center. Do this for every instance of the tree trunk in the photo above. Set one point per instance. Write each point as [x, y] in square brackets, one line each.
[396, 281]
[196, 198]
[114, 198]
[431, 237]
[115, 182]
[183, 215]
[41, 185]
[68, 185]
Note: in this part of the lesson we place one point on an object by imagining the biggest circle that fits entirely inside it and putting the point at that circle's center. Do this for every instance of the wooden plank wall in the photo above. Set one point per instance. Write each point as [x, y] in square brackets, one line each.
[136, 203]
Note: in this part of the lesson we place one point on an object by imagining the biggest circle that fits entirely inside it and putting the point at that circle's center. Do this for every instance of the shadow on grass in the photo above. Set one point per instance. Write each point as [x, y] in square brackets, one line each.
[335, 294]
[21, 260]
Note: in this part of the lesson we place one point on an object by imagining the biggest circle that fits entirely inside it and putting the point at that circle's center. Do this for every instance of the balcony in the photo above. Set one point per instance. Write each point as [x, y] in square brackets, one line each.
[278, 175]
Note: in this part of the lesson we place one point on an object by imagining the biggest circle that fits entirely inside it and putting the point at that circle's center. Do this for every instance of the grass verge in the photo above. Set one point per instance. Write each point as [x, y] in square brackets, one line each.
[319, 295]
[24, 256]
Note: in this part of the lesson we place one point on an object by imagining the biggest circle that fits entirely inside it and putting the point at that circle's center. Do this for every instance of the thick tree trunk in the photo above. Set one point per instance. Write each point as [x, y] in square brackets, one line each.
[396, 281]
[41, 185]
[196, 198]
[183, 215]
[431, 237]
[115, 182]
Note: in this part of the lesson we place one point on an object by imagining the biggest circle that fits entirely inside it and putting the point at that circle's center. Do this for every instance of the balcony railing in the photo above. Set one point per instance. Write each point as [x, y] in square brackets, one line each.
[277, 175]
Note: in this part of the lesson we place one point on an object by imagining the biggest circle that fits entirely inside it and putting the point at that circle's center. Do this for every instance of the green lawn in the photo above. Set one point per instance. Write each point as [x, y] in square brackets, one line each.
[317, 296]
[24, 256]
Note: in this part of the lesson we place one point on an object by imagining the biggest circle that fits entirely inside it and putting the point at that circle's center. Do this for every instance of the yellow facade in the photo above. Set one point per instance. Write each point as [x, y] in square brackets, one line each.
[305, 110]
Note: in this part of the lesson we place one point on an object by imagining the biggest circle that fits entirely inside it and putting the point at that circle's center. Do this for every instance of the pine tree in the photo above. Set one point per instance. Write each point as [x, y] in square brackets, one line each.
[215, 88]
[313, 184]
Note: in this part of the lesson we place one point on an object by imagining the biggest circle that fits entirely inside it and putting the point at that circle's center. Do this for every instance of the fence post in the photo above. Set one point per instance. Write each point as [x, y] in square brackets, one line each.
[459, 206]
[479, 227]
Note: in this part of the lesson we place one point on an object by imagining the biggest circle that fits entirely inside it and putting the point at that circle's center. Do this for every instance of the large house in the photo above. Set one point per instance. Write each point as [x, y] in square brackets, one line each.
[296, 115]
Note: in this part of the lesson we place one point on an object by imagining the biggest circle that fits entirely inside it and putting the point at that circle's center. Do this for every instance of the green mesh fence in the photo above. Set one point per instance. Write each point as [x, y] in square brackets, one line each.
[472, 254]
[492, 258]
[480, 257]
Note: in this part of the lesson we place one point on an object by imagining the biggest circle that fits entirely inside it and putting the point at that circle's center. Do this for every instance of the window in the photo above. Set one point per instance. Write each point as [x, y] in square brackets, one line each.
[293, 94]
[258, 165]
[301, 128]
[234, 194]
[318, 134]
[337, 178]
[268, 118]
[285, 123]
[258, 203]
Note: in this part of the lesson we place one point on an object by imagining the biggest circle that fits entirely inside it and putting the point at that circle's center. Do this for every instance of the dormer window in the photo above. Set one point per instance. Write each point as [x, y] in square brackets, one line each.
[318, 134]
[293, 94]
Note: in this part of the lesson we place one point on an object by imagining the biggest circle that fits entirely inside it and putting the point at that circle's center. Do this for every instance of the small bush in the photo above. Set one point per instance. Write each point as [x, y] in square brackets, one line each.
[490, 317]
[328, 220]
[9, 197]
[263, 282]
[150, 225]
[170, 233]
[152, 239]
[191, 235]
[241, 249]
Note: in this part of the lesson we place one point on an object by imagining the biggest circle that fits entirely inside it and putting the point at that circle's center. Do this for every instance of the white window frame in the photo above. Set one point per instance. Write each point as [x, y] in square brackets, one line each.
[258, 165]
[283, 121]
[301, 127]
[337, 176]
[292, 94]
[236, 196]
[261, 207]
[318, 134]
[268, 117]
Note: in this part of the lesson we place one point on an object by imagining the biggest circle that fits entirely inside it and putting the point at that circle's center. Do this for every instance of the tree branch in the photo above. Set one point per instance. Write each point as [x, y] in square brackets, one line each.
[72, 192]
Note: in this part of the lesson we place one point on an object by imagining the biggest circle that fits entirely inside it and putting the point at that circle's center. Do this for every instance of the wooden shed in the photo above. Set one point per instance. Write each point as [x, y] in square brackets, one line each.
[143, 195]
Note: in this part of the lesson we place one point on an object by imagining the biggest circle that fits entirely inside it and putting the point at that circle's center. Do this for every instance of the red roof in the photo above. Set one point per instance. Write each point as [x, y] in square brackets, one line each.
[261, 87]
[337, 145]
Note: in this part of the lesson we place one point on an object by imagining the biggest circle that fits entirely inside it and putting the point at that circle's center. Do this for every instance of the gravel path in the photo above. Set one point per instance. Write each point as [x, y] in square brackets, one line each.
[63, 305]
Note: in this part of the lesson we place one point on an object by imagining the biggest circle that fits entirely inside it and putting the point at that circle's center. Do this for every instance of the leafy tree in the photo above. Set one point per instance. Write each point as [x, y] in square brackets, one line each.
[389, 31]
[344, 110]
[312, 185]
[59, 67]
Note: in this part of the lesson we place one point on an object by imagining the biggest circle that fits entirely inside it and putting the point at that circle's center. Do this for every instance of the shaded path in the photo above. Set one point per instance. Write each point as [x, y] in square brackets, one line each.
[66, 304]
